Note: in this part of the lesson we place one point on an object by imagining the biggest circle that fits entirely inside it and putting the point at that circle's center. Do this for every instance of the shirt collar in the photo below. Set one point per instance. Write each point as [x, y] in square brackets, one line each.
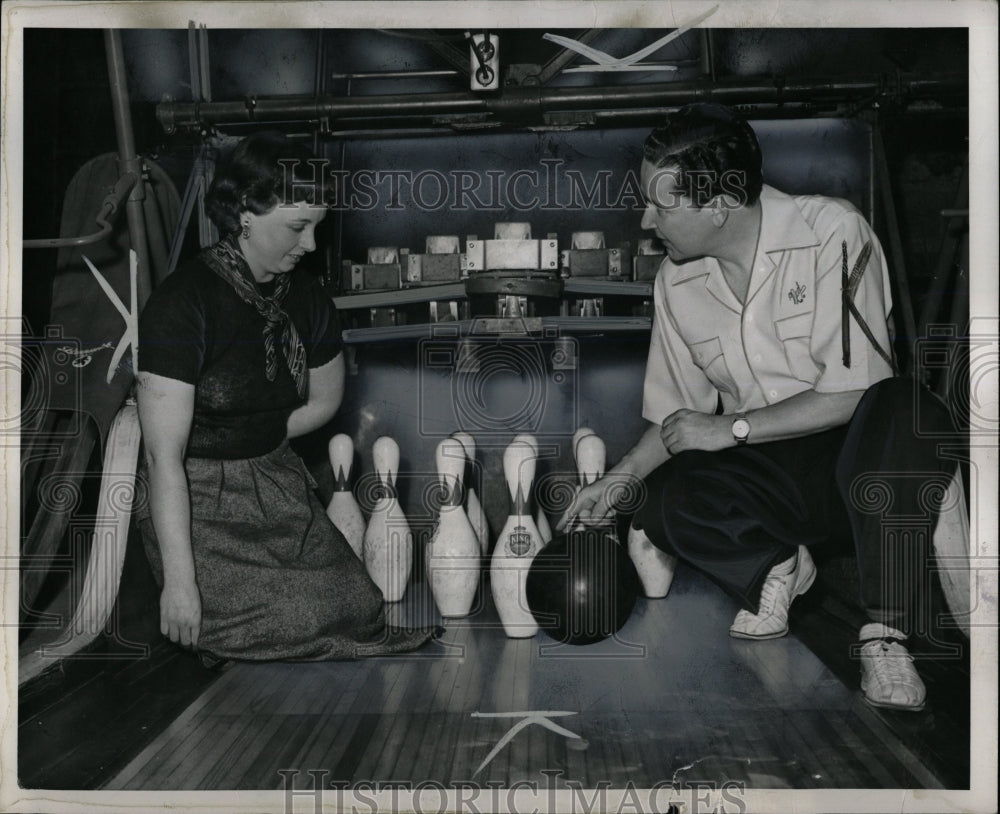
[782, 227]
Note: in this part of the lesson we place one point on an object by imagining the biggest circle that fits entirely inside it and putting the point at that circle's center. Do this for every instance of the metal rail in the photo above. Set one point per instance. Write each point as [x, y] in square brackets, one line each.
[517, 104]
[129, 160]
[110, 207]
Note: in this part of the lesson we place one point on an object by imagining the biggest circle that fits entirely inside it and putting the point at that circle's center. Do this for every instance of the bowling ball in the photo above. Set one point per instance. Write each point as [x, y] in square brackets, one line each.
[582, 586]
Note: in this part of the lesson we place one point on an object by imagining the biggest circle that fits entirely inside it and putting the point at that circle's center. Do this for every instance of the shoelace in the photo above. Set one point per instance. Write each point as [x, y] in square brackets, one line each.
[769, 594]
[888, 658]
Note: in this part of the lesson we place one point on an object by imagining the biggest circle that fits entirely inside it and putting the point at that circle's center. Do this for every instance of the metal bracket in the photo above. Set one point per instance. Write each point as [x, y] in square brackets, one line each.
[484, 55]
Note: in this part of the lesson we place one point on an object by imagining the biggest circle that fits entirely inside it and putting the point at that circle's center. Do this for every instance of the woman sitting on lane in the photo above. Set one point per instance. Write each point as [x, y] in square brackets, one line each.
[238, 353]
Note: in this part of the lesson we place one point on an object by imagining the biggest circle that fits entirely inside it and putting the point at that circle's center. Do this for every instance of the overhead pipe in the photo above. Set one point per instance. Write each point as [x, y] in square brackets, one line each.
[128, 160]
[530, 102]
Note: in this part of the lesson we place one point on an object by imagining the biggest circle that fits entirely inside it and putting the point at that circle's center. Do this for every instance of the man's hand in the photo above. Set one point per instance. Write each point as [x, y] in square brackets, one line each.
[180, 613]
[687, 429]
[593, 503]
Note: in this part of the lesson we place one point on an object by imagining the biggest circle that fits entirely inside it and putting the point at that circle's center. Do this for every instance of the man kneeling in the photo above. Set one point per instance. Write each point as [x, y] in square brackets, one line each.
[775, 307]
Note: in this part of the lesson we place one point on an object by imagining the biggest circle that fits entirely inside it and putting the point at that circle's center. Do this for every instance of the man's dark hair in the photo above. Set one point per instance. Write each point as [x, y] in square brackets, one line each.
[713, 151]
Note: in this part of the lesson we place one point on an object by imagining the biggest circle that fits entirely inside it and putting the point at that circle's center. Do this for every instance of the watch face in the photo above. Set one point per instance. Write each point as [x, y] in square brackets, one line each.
[741, 428]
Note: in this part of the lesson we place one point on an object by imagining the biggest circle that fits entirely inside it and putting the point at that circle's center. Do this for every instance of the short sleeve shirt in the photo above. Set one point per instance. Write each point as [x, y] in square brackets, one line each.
[195, 329]
[786, 338]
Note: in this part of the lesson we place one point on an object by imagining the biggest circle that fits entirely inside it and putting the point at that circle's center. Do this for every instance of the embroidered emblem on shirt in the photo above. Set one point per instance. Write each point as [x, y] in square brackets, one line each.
[797, 294]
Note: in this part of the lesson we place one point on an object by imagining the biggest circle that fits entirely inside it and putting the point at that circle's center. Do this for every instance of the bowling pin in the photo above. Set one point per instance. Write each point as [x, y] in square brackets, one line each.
[343, 509]
[590, 454]
[655, 567]
[518, 542]
[542, 524]
[388, 541]
[474, 508]
[453, 554]
[580, 433]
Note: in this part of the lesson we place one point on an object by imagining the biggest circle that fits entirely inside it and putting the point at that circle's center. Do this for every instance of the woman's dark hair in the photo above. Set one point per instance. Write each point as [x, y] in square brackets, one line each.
[714, 152]
[264, 170]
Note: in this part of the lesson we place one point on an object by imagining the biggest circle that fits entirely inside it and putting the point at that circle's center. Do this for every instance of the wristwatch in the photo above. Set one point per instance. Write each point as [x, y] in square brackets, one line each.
[741, 429]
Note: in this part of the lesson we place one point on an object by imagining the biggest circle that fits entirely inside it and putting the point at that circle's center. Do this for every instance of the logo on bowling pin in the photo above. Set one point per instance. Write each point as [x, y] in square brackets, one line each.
[453, 554]
[388, 541]
[517, 543]
[343, 510]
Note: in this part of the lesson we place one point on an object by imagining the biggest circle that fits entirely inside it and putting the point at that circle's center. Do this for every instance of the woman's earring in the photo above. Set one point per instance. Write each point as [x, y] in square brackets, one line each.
[246, 231]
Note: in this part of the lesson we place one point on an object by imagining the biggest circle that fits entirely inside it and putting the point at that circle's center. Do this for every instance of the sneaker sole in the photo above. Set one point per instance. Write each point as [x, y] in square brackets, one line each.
[735, 634]
[805, 586]
[896, 707]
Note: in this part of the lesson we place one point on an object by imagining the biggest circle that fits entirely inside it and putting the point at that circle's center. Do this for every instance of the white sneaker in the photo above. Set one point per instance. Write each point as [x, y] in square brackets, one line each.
[888, 677]
[785, 581]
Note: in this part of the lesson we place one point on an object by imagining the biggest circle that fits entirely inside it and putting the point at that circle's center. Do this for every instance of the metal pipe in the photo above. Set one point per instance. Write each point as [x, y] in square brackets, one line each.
[945, 267]
[156, 234]
[203, 69]
[529, 102]
[128, 160]
[895, 246]
[393, 74]
[707, 54]
[110, 207]
[193, 64]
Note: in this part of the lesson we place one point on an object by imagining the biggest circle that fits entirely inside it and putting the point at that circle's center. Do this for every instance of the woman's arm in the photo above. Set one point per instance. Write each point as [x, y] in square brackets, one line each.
[166, 407]
[326, 391]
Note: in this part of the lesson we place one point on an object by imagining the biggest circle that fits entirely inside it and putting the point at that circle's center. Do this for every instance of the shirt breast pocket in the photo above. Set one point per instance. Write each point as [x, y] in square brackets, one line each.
[709, 357]
[795, 333]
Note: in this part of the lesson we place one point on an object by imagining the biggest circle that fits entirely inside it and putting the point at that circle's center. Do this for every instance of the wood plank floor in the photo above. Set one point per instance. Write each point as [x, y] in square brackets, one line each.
[671, 699]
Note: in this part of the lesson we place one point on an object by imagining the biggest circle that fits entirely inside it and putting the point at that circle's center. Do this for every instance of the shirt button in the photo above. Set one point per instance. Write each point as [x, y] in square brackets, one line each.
[756, 357]
[774, 394]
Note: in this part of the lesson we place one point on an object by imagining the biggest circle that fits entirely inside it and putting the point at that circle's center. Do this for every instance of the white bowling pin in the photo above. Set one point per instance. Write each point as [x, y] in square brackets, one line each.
[580, 433]
[518, 542]
[542, 524]
[474, 508]
[655, 567]
[591, 456]
[388, 541]
[343, 510]
[453, 554]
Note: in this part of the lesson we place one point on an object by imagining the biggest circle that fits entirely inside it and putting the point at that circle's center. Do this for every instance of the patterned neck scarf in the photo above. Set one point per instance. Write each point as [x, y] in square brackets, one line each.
[226, 260]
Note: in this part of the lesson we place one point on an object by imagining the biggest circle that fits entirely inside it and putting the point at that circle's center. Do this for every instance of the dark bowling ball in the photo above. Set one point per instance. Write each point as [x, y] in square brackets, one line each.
[582, 586]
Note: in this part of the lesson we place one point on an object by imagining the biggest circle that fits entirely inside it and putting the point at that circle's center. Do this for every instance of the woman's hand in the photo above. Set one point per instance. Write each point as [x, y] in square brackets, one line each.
[687, 429]
[180, 613]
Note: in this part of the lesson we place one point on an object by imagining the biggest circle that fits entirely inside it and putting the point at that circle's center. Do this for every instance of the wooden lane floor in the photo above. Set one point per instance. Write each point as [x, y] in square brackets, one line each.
[671, 699]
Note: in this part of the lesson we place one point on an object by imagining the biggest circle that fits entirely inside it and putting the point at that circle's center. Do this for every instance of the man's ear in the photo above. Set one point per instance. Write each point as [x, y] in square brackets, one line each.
[720, 211]
[722, 205]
